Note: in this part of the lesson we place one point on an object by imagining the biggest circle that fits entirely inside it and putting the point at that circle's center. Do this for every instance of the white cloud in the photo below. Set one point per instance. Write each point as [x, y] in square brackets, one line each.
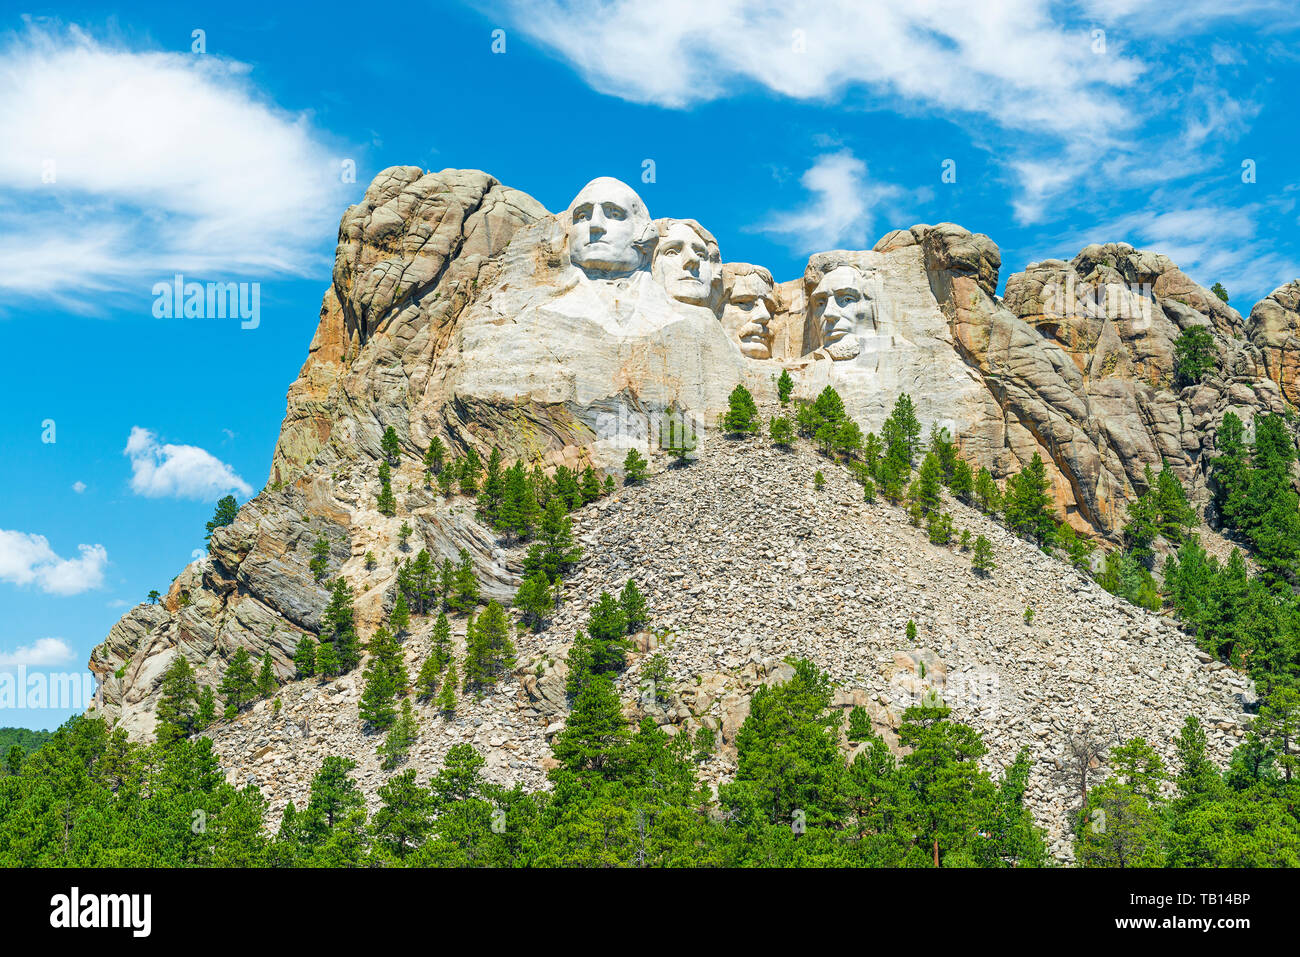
[841, 210]
[78, 487]
[182, 471]
[27, 559]
[1009, 62]
[162, 163]
[43, 651]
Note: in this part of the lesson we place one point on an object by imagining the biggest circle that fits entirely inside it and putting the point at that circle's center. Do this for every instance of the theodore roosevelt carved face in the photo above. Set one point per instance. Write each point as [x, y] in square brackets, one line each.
[842, 311]
[750, 305]
[610, 232]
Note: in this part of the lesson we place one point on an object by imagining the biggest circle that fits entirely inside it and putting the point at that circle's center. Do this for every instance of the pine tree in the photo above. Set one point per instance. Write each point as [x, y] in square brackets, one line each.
[470, 469]
[178, 703]
[401, 737]
[266, 680]
[327, 660]
[848, 439]
[400, 618]
[390, 446]
[464, 594]
[239, 683]
[939, 527]
[519, 513]
[1194, 356]
[492, 496]
[488, 649]
[446, 701]
[590, 485]
[447, 482]
[1174, 514]
[207, 710]
[988, 497]
[634, 468]
[634, 607]
[860, 725]
[226, 510]
[440, 643]
[426, 682]
[606, 630]
[595, 734]
[902, 429]
[929, 483]
[534, 600]
[338, 627]
[435, 456]
[982, 556]
[153, 596]
[944, 450]
[742, 412]
[385, 504]
[677, 437]
[1028, 502]
[784, 386]
[781, 431]
[962, 484]
[567, 489]
[320, 558]
[1142, 527]
[554, 553]
[386, 679]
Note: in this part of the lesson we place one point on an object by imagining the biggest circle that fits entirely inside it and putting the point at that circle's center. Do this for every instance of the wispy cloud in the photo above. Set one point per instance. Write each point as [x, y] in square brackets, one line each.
[180, 471]
[27, 559]
[130, 165]
[43, 651]
[841, 209]
[983, 59]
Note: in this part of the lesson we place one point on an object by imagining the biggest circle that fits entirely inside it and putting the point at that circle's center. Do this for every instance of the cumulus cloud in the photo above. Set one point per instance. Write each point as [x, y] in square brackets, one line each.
[181, 471]
[78, 487]
[134, 165]
[42, 651]
[27, 559]
[840, 210]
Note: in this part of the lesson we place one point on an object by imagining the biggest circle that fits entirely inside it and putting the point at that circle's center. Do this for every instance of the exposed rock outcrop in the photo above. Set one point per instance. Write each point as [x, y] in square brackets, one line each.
[462, 308]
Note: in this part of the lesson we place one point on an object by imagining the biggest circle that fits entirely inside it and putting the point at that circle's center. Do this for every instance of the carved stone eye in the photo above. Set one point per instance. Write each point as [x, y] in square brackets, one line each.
[613, 212]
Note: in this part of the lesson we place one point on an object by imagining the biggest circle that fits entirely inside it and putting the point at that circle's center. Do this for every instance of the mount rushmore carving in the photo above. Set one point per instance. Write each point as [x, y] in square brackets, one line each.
[463, 308]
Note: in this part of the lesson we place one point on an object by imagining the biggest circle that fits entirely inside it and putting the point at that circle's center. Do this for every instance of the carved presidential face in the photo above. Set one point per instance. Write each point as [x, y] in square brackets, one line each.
[610, 232]
[842, 311]
[751, 303]
[688, 266]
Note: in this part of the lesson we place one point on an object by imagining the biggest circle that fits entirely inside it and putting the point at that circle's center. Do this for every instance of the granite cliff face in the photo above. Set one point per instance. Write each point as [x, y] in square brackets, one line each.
[462, 308]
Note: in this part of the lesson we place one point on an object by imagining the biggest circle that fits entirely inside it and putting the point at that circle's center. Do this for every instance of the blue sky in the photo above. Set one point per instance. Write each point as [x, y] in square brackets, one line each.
[786, 128]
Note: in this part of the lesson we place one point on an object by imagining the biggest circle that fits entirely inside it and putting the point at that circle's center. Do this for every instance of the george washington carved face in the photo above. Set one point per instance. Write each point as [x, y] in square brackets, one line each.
[842, 311]
[610, 232]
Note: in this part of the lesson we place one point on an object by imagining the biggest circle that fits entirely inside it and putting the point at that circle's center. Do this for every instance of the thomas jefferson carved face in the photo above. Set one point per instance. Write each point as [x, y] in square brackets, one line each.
[688, 265]
[610, 233]
[751, 303]
[842, 310]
